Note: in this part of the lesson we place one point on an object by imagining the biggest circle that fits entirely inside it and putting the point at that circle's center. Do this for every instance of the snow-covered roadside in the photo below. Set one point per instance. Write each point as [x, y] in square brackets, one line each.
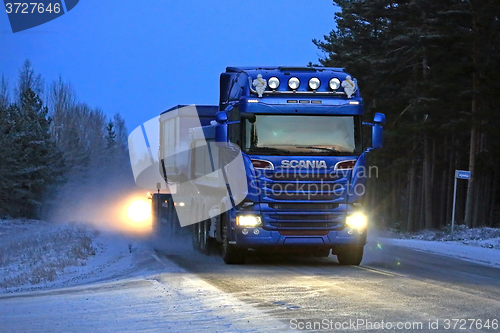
[480, 255]
[480, 245]
[483, 237]
[38, 255]
[35, 252]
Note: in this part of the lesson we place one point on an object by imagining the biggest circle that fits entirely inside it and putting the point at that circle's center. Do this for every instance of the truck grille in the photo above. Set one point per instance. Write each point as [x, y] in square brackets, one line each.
[302, 191]
[304, 219]
[303, 206]
[294, 175]
[300, 201]
[308, 225]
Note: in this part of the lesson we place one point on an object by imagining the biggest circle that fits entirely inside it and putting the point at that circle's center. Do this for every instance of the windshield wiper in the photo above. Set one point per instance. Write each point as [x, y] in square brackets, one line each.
[331, 150]
[268, 150]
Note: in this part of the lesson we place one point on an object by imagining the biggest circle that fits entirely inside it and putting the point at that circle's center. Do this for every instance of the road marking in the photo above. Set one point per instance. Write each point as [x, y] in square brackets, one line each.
[379, 271]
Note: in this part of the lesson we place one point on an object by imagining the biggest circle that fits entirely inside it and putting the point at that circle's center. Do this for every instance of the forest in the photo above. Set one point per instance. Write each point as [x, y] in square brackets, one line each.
[432, 67]
[52, 147]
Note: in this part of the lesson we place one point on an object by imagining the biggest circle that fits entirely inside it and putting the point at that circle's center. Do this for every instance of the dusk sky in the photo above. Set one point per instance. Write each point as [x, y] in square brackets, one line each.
[139, 58]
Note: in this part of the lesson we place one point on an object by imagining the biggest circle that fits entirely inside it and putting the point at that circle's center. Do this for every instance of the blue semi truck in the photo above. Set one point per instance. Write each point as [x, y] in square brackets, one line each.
[278, 164]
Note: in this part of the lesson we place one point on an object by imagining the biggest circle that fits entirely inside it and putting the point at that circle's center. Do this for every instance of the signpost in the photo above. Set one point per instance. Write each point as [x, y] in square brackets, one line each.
[459, 174]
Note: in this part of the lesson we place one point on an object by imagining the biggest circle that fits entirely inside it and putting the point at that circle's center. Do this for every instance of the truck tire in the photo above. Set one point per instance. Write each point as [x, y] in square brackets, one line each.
[350, 255]
[155, 215]
[206, 243]
[230, 253]
[195, 234]
[195, 231]
[158, 213]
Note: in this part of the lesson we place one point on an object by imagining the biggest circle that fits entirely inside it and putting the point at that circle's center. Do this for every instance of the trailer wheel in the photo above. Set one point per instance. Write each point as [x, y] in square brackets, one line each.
[170, 217]
[195, 240]
[230, 254]
[350, 255]
[158, 213]
[155, 215]
[206, 243]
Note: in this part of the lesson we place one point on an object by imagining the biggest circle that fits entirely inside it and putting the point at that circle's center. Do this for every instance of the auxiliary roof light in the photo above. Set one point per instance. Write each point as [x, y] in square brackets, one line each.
[334, 83]
[273, 83]
[294, 83]
[314, 83]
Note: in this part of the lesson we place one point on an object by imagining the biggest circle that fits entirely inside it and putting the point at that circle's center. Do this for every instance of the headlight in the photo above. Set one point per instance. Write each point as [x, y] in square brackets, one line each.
[314, 83]
[273, 82]
[248, 220]
[334, 83]
[357, 221]
[294, 83]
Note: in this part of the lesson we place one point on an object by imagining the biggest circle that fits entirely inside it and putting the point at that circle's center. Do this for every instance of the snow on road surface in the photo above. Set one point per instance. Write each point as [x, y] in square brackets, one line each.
[118, 282]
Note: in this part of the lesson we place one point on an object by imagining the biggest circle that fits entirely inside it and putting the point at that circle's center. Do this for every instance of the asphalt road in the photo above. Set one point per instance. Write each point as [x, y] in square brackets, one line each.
[395, 285]
[394, 290]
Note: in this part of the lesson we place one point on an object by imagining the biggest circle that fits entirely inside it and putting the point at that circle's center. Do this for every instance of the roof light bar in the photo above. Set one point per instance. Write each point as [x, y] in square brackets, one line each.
[294, 83]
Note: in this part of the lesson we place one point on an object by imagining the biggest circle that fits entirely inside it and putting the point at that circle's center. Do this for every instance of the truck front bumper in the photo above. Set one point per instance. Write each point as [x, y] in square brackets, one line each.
[258, 237]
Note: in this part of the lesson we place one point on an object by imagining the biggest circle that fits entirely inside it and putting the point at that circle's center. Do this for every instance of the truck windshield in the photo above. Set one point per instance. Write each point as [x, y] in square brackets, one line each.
[303, 135]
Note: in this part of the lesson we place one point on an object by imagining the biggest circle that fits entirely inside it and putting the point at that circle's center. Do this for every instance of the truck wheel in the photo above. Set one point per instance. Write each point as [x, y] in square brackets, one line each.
[202, 237]
[170, 217]
[155, 215]
[350, 255]
[230, 254]
[206, 243]
[195, 236]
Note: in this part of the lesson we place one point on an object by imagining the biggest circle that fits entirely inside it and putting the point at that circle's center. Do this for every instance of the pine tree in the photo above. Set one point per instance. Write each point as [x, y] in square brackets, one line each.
[417, 61]
[31, 161]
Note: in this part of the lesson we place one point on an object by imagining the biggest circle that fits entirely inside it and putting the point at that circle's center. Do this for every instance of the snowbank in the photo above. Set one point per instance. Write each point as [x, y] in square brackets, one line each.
[35, 252]
[480, 245]
[39, 255]
[477, 254]
[483, 237]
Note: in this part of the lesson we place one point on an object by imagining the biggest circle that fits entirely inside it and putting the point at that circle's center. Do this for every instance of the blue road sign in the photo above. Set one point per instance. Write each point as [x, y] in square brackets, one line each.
[462, 174]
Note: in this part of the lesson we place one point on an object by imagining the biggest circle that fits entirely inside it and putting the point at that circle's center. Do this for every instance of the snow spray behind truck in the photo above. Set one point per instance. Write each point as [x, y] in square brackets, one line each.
[279, 163]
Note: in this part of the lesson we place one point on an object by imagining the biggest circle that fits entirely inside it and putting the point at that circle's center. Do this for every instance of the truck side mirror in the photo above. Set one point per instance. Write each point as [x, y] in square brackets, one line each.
[221, 128]
[379, 118]
[221, 117]
[378, 131]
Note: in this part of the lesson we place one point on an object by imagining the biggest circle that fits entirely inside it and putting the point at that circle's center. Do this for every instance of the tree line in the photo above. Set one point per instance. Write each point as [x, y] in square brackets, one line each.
[52, 145]
[432, 67]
